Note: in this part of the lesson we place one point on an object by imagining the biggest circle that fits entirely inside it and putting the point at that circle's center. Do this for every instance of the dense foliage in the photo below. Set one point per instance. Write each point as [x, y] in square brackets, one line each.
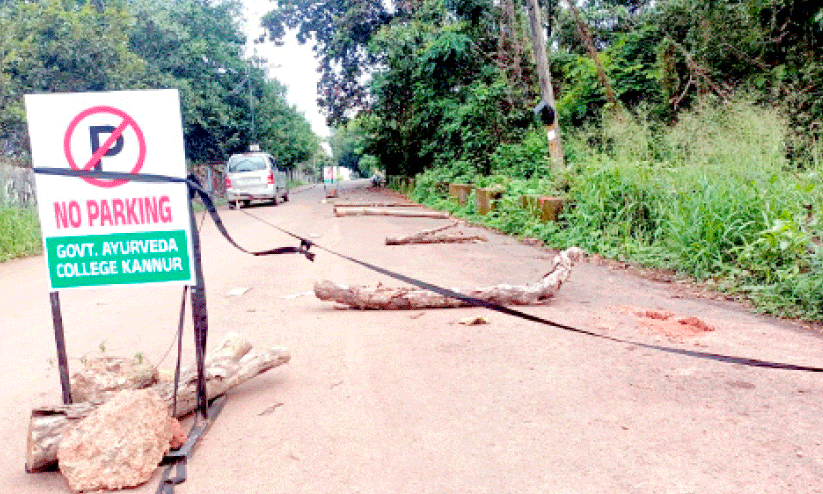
[340, 31]
[449, 83]
[195, 46]
[712, 197]
[691, 128]
[19, 232]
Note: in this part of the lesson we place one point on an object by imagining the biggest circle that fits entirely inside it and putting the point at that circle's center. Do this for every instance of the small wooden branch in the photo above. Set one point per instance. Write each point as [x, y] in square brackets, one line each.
[435, 239]
[357, 211]
[230, 365]
[429, 237]
[699, 73]
[377, 205]
[432, 231]
[386, 298]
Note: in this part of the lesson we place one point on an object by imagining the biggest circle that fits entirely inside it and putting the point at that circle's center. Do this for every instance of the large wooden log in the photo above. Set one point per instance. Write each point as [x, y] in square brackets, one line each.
[233, 363]
[382, 297]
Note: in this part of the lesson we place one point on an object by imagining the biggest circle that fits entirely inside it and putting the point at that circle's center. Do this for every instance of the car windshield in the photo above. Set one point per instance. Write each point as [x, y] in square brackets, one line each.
[247, 164]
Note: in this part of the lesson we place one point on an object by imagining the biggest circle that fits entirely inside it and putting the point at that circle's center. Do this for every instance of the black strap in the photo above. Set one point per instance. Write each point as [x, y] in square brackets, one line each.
[751, 362]
[195, 189]
[305, 244]
[178, 458]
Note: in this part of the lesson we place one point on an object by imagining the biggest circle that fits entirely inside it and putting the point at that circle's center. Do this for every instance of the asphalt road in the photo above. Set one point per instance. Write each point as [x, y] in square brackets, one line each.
[414, 402]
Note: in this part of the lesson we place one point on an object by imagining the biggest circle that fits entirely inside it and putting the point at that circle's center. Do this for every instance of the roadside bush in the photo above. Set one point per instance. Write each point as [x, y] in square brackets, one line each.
[613, 209]
[525, 159]
[713, 197]
[19, 232]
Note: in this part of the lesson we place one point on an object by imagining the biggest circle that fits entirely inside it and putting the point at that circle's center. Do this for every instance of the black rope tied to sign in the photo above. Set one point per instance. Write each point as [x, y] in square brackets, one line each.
[195, 189]
[306, 244]
[751, 362]
[729, 359]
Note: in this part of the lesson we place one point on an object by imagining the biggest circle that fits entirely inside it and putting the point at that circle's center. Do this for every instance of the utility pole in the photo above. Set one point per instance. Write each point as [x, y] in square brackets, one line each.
[548, 114]
[251, 101]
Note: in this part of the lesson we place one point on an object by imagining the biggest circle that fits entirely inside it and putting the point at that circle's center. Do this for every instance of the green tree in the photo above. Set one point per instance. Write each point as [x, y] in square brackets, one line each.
[442, 98]
[283, 130]
[197, 47]
[194, 46]
[773, 48]
[346, 144]
[341, 31]
[60, 46]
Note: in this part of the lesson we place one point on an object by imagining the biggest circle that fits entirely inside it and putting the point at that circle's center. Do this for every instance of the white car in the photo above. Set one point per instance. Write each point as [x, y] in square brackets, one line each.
[254, 176]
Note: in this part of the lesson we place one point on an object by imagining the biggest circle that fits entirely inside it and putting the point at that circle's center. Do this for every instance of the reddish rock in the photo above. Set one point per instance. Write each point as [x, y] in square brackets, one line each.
[102, 377]
[178, 436]
[118, 445]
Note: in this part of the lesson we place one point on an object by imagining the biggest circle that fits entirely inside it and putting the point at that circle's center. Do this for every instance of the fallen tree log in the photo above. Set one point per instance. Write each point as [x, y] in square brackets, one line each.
[357, 211]
[233, 363]
[382, 297]
[377, 205]
[435, 239]
[429, 237]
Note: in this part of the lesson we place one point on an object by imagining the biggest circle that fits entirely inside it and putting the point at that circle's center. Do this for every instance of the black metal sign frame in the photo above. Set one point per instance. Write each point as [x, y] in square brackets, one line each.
[200, 321]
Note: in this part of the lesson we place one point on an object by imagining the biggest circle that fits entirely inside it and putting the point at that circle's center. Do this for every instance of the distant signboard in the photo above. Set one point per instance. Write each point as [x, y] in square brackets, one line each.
[107, 232]
[330, 174]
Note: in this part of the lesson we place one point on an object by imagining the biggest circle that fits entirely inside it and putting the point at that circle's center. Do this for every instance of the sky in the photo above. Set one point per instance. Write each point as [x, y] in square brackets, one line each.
[292, 64]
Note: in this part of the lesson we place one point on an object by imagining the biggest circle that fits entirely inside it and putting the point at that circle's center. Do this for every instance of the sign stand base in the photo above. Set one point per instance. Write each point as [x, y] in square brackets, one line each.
[177, 458]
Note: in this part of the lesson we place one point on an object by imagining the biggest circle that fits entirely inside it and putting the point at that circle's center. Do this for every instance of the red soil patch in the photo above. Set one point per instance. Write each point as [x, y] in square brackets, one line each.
[667, 323]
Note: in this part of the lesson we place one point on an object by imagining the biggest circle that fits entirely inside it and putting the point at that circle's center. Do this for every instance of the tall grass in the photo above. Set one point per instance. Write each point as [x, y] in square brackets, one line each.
[713, 197]
[19, 232]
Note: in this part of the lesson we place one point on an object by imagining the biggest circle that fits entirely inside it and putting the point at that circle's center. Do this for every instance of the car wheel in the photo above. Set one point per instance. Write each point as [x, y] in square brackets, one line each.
[274, 200]
[232, 205]
[285, 197]
[246, 204]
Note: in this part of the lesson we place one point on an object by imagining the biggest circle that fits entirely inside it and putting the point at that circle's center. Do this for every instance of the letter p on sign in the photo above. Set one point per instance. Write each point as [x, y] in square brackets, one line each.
[94, 134]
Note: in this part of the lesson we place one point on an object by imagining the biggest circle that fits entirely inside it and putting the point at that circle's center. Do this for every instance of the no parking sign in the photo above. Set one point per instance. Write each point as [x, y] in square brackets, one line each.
[103, 232]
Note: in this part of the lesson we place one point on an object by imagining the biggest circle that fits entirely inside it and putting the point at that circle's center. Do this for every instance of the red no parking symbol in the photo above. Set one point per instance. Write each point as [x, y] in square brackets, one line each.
[112, 146]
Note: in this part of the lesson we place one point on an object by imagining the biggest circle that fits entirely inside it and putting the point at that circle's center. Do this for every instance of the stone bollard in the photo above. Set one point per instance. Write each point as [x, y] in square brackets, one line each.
[460, 192]
[548, 208]
[484, 199]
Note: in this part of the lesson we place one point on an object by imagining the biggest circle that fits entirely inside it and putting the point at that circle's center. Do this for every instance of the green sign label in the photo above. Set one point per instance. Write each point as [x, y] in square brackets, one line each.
[118, 259]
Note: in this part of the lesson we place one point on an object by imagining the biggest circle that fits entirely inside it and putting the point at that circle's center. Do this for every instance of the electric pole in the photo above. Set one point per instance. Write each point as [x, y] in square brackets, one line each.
[548, 113]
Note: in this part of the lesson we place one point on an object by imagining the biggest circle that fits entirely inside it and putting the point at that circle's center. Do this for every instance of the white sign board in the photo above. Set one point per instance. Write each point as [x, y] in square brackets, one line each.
[330, 174]
[105, 232]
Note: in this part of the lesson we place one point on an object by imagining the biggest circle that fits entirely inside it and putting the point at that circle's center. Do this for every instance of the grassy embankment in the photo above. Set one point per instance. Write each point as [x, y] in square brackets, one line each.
[714, 198]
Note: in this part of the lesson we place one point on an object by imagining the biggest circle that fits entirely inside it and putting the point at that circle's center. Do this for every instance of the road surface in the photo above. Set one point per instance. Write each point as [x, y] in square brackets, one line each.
[414, 402]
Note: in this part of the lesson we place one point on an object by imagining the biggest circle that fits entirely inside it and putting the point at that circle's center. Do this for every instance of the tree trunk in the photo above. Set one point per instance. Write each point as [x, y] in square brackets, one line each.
[586, 37]
[382, 297]
[230, 365]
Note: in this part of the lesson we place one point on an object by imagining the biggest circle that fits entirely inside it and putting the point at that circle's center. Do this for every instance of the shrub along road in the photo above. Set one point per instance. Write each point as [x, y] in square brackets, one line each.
[414, 401]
